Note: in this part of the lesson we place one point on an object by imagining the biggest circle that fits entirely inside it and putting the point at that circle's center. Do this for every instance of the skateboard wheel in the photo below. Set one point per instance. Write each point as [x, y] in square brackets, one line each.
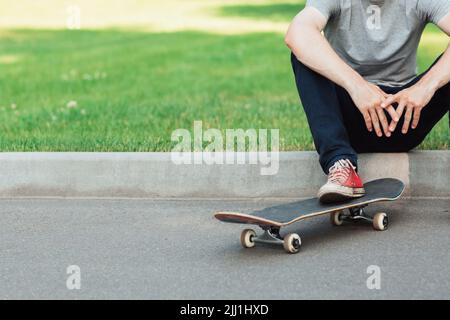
[336, 218]
[247, 237]
[380, 221]
[292, 243]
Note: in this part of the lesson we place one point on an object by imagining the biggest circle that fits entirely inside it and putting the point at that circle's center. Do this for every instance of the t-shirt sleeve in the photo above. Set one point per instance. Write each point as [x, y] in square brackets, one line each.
[433, 10]
[328, 8]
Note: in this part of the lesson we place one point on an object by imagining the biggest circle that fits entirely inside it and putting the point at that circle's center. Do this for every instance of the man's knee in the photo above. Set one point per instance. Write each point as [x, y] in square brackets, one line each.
[446, 91]
[296, 64]
[300, 68]
[440, 102]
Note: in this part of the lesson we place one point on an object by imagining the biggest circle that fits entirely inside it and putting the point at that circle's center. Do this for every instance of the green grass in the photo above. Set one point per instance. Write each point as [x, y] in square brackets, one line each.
[155, 83]
[133, 89]
[273, 11]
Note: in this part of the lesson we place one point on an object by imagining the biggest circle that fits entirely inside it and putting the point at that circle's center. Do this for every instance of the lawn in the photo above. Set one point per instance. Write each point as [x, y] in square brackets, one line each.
[128, 89]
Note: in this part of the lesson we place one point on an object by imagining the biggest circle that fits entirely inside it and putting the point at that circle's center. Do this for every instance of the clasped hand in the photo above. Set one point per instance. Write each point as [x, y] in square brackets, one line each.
[373, 103]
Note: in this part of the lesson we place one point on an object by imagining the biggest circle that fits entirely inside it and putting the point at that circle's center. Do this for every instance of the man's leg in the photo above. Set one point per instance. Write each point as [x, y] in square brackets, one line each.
[324, 113]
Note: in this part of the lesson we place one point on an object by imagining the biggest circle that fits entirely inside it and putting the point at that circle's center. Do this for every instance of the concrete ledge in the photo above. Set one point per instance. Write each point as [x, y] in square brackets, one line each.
[154, 175]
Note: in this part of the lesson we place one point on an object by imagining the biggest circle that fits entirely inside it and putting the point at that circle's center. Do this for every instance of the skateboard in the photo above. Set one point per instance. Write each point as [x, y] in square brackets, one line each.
[272, 219]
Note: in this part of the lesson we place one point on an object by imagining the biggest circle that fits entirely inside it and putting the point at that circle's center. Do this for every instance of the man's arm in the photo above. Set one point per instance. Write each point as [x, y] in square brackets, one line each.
[415, 98]
[305, 30]
[439, 75]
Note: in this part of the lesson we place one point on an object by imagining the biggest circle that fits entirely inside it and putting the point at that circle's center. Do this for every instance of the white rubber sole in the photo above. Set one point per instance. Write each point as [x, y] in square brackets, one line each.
[335, 193]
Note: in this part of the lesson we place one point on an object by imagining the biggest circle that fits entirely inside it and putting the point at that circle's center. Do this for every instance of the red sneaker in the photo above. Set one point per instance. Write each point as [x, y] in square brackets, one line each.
[343, 183]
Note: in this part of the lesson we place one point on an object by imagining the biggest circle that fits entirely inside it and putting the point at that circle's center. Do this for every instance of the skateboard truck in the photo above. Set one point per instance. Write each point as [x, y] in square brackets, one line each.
[380, 221]
[271, 235]
[357, 214]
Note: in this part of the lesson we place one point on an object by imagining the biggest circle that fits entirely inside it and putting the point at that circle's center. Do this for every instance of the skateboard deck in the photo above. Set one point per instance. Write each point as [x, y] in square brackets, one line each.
[273, 218]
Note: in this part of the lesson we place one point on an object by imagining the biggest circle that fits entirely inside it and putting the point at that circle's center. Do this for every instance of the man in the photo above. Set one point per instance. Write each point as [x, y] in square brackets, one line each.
[358, 82]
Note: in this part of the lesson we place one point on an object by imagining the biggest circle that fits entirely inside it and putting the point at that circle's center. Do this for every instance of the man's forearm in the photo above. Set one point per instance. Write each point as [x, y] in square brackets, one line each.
[439, 75]
[312, 49]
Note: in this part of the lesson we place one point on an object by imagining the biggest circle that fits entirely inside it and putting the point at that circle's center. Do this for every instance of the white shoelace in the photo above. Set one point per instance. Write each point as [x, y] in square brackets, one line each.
[340, 171]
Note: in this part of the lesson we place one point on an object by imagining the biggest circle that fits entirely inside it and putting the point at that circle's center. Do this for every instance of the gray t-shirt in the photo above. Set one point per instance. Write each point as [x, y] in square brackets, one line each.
[379, 38]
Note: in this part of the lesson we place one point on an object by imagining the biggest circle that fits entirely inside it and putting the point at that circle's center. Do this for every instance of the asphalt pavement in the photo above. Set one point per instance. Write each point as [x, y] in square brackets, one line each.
[175, 249]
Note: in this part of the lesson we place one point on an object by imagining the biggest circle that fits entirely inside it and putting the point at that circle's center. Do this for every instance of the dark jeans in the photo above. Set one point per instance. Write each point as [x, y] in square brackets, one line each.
[338, 128]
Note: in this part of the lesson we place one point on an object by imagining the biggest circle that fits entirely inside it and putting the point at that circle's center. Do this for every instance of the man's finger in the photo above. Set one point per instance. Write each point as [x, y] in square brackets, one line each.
[407, 121]
[383, 121]
[394, 115]
[389, 101]
[368, 121]
[375, 122]
[416, 117]
[399, 112]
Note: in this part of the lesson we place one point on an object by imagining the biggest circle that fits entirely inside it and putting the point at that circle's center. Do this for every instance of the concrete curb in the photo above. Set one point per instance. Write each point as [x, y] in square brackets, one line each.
[154, 175]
